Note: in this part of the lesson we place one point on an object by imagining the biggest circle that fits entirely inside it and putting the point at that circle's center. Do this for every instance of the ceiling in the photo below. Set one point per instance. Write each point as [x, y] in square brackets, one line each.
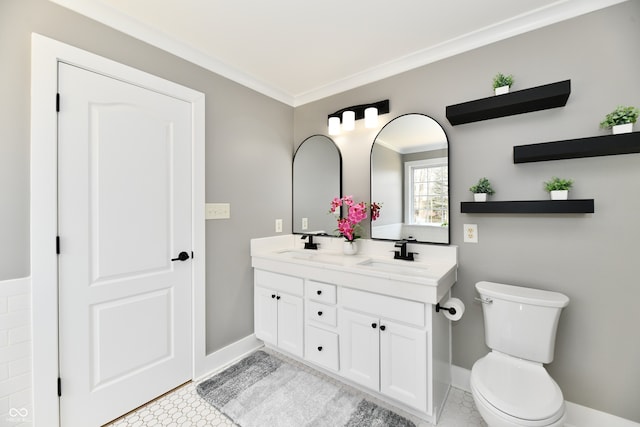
[298, 51]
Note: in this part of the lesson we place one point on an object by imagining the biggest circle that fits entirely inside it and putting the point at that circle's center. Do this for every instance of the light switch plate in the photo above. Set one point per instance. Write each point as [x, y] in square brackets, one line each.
[278, 226]
[471, 233]
[217, 211]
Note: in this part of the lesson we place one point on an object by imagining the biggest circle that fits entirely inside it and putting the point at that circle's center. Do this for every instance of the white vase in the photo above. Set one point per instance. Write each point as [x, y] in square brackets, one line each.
[559, 194]
[480, 197]
[618, 129]
[350, 248]
[501, 90]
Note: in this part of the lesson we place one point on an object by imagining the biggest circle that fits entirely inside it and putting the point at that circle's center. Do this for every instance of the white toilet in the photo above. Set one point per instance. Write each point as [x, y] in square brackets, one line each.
[510, 386]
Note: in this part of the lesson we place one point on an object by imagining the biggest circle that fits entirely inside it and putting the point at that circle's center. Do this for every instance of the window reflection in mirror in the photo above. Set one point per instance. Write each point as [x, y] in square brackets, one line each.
[317, 179]
[410, 177]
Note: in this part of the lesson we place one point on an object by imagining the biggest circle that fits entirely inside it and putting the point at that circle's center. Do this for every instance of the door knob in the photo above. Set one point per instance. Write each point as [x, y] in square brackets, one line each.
[382, 327]
[182, 256]
[374, 325]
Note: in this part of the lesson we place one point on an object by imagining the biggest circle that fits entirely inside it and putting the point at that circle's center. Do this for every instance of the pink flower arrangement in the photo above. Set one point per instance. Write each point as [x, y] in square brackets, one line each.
[356, 213]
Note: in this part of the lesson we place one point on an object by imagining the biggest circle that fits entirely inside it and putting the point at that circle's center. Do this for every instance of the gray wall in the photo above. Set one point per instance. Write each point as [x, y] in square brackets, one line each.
[590, 258]
[249, 149]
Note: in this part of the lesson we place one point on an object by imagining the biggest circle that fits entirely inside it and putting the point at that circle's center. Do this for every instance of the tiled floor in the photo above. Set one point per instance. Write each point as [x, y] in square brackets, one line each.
[183, 407]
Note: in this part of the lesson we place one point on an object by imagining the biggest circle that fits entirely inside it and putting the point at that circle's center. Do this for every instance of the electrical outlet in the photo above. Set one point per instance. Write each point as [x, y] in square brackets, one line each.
[278, 226]
[305, 223]
[471, 233]
[217, 211]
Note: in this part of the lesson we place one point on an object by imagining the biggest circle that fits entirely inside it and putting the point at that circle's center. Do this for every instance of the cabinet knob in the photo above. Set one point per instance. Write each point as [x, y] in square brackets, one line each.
[382, 327]
[319, 313]
[374, 325]
[273, 295]
[320, 348]
[319, 292]
[278, 297]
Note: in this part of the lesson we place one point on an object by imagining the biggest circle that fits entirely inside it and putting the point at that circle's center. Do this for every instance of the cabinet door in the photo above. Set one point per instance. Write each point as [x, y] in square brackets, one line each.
[290, 324]
[359, 342]
[403, 364]
[266, 315]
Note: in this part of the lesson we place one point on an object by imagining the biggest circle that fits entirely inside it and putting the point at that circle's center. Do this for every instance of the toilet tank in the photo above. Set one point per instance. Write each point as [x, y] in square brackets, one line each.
[519, 321]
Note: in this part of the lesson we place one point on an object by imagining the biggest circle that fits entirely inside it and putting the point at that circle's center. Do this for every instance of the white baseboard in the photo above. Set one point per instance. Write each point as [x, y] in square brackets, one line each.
[577, 415]
[228, 355]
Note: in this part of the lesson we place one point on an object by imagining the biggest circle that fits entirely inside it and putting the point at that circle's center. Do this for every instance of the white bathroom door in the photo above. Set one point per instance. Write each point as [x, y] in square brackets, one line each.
[124, 195]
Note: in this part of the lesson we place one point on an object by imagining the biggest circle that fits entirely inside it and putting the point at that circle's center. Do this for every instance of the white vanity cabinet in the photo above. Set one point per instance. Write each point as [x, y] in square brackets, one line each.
[321, 335]
[366, 320]
[383, 342]
[278, 310]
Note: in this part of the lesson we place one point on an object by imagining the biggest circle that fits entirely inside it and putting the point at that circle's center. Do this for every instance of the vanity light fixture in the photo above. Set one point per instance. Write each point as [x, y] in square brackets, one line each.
[348, 116]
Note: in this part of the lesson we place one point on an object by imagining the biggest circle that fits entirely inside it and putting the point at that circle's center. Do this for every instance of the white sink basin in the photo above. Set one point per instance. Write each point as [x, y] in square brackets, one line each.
[312, 255]
[405, 268]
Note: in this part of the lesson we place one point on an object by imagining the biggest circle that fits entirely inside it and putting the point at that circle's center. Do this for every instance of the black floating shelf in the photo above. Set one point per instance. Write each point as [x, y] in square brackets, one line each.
[576, 206]
[521, 101]
[606, 145]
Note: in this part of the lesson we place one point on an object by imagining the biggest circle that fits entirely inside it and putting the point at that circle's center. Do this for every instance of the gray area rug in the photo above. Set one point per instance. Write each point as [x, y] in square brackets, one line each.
[264, 391]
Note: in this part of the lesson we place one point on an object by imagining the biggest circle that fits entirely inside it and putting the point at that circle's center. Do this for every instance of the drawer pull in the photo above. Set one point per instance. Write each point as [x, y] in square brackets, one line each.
[273, 295]
[278, 297]
[374, 325]
[319, 292]
[320, 348]
[319, 313]
[382, 327]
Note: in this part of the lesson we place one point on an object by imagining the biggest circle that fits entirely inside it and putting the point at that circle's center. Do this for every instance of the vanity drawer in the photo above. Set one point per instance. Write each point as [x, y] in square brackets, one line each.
[411, 312]
[322, 292]
[278, 282]
[322, 347]
[321, 313]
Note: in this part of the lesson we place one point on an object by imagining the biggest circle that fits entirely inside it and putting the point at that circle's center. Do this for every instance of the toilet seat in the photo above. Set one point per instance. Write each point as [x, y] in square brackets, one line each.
[518, 389]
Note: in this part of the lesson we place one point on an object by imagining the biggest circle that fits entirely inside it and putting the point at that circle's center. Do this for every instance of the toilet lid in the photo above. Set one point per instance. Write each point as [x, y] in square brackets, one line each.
[517, 387]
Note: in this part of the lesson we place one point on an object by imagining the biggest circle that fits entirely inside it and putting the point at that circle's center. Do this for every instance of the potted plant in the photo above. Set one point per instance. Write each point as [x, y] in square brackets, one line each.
[502, 83]
[481, 190]
[621, 119]
[558, 188]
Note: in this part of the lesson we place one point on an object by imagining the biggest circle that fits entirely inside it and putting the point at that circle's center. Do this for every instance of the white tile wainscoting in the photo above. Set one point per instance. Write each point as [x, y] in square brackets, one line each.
[15, 352]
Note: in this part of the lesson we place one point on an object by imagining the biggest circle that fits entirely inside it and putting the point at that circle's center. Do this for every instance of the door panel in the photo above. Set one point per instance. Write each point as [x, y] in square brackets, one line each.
[124, 195]
[290, 321]
[359, 352]
[403, 364]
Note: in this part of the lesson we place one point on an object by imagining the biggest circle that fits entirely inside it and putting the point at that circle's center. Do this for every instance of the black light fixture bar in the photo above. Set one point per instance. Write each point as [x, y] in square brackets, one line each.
[382, 106]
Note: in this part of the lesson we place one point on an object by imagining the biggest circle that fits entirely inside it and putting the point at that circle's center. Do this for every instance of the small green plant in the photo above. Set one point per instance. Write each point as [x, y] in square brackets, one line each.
[501, 80]
[620, 116]
[558, 184]
[483, 186]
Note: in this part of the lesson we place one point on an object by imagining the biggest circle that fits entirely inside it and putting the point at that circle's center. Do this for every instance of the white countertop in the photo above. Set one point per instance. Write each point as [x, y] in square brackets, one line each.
[427, 279]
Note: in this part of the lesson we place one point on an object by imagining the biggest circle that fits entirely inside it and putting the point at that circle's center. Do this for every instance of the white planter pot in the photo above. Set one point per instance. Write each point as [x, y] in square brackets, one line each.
[559, 194]
[501, 90]
[626, 128]
[479, 197]
[350, 248]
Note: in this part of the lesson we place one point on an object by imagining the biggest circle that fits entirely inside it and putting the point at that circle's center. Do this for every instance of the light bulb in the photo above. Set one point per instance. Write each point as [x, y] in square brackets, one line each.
[348, 120]
[334, 125]
[371, 117]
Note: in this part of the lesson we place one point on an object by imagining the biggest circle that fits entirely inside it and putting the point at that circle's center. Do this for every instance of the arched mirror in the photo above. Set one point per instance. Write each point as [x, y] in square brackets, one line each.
[410, 177]
[317, 179]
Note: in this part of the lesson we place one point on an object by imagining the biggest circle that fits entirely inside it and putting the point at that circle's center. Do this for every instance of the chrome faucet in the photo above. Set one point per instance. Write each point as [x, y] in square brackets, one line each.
[402, 253]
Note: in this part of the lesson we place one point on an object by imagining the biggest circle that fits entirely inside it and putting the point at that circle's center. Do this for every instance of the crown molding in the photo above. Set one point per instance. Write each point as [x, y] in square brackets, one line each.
[538, 18]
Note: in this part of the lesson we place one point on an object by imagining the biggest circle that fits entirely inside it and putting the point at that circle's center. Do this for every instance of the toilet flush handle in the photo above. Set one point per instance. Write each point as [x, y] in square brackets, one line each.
[484, 300]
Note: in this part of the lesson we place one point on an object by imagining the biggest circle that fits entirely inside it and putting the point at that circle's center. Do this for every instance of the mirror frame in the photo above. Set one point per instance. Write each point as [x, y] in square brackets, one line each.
[448, 186]
[293, 182]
